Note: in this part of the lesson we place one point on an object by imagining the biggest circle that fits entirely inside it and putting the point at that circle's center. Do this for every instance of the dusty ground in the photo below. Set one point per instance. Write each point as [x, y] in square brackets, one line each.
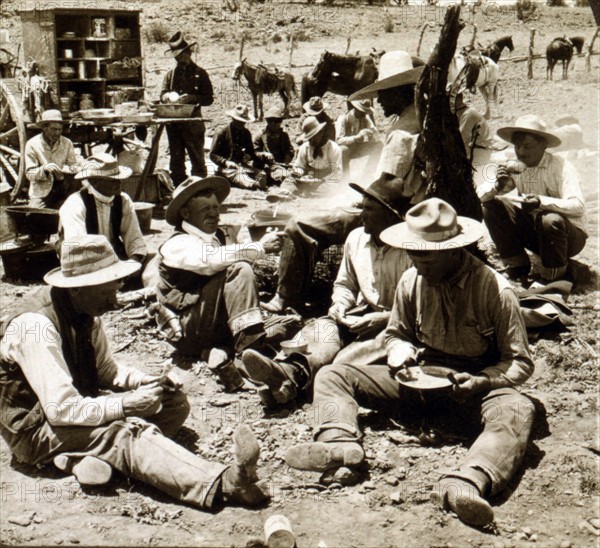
[553, 502]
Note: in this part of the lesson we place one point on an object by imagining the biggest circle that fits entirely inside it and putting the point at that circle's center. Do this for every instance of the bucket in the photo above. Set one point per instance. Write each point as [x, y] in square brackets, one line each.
[26, 263]
[143, 210]
[279, 533]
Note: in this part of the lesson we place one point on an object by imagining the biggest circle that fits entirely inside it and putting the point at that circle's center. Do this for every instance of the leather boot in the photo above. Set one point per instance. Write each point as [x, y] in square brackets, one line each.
[464, 499]
[87, 470]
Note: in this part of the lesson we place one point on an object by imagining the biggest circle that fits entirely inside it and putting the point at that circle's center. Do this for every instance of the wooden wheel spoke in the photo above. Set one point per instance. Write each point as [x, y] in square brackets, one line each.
[8, 134]
[8, 167]
[13, 135]
[11, 151]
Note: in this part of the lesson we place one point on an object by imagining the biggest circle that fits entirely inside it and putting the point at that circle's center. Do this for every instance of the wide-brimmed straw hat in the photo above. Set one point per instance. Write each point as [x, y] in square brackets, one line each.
[88, 260]
[310, 127]
[189, 188]
[432, 225]
[386, 194]
[51, 116]
[103, 165]
[396, 68]
[178, 44]
[530, 123]
[364, 105]
[240, 113]
[315, 106]
[274, 113]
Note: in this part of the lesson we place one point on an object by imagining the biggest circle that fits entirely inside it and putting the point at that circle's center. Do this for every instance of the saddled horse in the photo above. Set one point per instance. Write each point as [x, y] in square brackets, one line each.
[479, 72]
[263, 80]
[340, 74]
[495, 49]
[561, 49]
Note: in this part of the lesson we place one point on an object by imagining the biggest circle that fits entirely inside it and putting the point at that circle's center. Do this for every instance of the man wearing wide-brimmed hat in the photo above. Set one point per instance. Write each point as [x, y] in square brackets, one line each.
[316, 107]
[101, 208]
[233, 152]
[189, 84]
[358, 136]
[548, 216]
[273, 143]
[363, 294]
[65, 400]
[49, 159]
[455, 313]
[205, 275]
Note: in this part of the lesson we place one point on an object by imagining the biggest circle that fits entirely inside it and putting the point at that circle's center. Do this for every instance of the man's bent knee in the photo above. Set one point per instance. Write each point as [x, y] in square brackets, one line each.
[552, 222]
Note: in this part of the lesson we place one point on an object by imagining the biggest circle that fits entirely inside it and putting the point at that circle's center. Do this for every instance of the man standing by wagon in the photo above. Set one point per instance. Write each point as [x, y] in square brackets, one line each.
[189, 84]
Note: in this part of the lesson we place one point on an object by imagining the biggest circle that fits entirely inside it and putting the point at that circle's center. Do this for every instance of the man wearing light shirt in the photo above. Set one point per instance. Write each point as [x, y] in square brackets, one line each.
[205, 276]
[549, 217]
[101, 208]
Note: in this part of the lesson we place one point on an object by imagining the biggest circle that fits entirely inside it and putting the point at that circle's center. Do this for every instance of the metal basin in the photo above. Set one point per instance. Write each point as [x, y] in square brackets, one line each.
[33, 221]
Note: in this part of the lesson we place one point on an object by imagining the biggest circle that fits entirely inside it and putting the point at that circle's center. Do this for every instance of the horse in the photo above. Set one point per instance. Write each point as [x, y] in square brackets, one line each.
[339, 74]
[495, 49]
[262, 80]
[561, 49]
[479, 72]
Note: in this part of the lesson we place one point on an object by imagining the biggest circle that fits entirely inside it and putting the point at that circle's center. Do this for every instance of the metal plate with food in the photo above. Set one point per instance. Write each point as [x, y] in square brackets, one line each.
[428, 377]
[174, 110]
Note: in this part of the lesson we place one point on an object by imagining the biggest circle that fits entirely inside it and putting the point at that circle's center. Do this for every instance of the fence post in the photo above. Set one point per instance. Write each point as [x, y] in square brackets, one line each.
[292, 44]
[242, 48]
[588, 59]
[348, 45]
[530, 59]
[472, 44]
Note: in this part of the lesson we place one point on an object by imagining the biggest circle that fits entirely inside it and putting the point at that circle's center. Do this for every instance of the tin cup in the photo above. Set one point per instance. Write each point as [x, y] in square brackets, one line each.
[278, 532]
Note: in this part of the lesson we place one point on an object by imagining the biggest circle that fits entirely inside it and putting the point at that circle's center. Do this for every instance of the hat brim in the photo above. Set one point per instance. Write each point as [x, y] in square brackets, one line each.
[506, 133]
[401, 237]
[41, 124]
[358, 106]
[306, 108]
[306, 136]
[124, 173]
[404, 78]
[235, 116]
[377, 198]
[116, 271]
[176, 52]
[219, 185]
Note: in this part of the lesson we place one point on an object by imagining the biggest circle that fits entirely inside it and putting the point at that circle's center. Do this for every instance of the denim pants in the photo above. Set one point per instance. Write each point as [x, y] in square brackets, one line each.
[307, 238]
[138, 448]
[186, 137]
[549, 234]
[504, 414]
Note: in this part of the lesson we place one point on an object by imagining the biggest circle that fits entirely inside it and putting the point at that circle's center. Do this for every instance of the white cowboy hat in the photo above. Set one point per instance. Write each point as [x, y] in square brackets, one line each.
[396, 68]
[51, 116]
[178, 44]
[274, 113]
[240, 113]
[189, 188]
[103, 165]
[432, 225]
[314, 106]
[88, 260]
[530, 123]
[310, 127]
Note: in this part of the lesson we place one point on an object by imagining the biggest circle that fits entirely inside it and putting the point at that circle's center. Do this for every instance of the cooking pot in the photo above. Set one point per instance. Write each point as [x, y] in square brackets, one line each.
[34, 221]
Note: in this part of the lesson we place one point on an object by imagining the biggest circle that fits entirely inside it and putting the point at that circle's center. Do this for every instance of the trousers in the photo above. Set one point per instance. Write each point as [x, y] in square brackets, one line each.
[186, 137]
[138, 448]
[504, 415]
[549, 234]
[228, 304]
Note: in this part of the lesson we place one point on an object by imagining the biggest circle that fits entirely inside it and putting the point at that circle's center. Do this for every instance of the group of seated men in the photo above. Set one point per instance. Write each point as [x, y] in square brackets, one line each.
[408, 291]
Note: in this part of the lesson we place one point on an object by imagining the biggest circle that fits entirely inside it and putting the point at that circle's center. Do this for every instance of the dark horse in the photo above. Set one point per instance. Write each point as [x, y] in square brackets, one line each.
[263, 80]
[339, 74]
[495, 49]
[561, 49]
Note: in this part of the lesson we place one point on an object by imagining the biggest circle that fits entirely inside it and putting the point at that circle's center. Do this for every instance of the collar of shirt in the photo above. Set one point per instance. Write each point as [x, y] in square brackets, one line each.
[200, 234]
[108, 200]
[407, 121]
[47, 146]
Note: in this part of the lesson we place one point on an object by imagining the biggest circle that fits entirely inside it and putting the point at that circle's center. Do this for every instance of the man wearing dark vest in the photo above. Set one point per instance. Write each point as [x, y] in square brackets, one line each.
[205, 275]
[54, 363]
[101, 208]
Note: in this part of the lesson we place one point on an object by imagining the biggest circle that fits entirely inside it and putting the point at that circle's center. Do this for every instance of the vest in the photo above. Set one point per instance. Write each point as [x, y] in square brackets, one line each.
[116, 216]
[179, 289]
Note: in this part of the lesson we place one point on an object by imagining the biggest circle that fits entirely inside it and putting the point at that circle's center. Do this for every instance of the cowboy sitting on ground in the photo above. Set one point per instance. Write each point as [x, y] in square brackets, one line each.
[450, 310]
[548, 217]
[363, 294]
[357, 136]
[65, 399]
[233, 153]
[316, 107]
[205, 276]
[49, 159]
[101, 208]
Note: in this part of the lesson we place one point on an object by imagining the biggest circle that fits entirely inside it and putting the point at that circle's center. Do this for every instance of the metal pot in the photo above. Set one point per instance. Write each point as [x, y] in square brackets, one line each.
[23, 262]
[34, 221]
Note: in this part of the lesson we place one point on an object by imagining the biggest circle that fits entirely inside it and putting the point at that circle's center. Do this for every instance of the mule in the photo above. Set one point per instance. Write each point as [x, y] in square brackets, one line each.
[339, 74]
[561, 49]
[495, 49]
[478, 72]
[262, 80]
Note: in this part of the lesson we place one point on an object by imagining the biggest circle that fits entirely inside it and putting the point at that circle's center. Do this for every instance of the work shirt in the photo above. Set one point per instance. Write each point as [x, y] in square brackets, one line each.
[457, 316]
[328, 166]
[368, 272]
[72, 220]
[203, 253]
[348, 126]
[192, 80]
[33, 342]
[277, 143]
[38, 153]
[233, 142]
[555, 181]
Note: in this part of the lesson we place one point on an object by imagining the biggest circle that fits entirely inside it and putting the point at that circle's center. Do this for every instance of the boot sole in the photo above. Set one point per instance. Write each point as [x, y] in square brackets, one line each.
[474, 511]
[92, 471]
[261, 370]
[320, 457]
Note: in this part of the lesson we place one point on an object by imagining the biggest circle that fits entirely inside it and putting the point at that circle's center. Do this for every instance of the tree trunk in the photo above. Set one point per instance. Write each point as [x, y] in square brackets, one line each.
[440, 147]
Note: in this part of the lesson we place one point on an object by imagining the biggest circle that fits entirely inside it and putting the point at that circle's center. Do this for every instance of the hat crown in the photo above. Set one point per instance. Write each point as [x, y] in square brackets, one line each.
[531, 121]
[393, 63]
[86, 254]
[315, 103]
[51, 115]
[274, 112]
[310, 124]
[185, 185]
[433, 220]
[101, 164]
[177, 41]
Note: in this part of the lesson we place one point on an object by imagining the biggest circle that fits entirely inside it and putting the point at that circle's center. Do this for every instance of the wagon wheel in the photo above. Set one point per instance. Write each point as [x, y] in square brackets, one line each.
[12, 141]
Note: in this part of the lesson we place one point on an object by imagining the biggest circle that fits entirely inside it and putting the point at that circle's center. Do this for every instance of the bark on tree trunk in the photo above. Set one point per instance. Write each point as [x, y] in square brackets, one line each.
[440, 146]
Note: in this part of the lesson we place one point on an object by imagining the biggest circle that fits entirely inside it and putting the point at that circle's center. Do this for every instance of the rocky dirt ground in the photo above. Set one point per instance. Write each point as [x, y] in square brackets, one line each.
[555, 499]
